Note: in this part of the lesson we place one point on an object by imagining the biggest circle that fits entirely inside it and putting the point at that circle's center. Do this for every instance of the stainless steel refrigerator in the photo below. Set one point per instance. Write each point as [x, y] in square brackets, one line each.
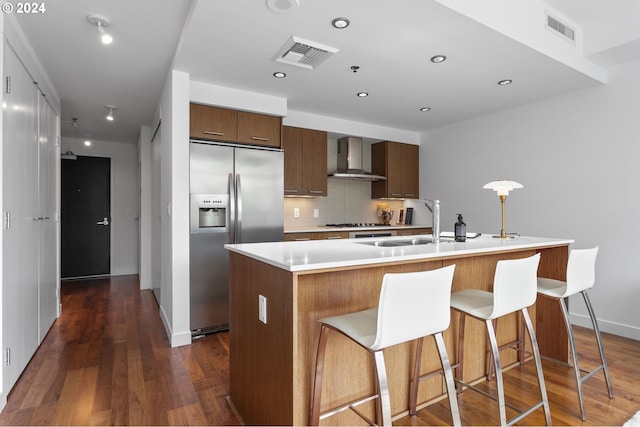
[236, 196]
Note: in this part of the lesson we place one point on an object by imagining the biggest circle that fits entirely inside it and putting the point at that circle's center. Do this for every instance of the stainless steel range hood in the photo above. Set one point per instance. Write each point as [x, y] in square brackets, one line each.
[350, 161]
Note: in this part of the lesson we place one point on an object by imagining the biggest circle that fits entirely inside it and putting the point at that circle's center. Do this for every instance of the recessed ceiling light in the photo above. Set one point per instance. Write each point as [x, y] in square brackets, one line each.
[87, 143]
[283, 6]
[340, 23]
[425, 109]
[505, 82]
[363, 94]
[110, 113]
[101, 23]
[279, 75]
[438, 59]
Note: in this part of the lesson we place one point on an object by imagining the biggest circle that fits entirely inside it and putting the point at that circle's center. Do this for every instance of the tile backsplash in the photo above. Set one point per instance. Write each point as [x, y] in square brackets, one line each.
[347, 201]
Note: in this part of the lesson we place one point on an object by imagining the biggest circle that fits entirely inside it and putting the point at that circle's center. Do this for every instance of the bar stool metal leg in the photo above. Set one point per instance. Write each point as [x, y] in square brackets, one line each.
[458, 371]
[518, 345]
[538, 359]
[451, 387]
[574, 356]
[446, 371]
[596, 329]
[498, 373]
[385, 398]
[413, 398]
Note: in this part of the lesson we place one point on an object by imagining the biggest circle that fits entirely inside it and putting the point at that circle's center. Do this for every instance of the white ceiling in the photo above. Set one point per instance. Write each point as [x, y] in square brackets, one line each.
[232, 43]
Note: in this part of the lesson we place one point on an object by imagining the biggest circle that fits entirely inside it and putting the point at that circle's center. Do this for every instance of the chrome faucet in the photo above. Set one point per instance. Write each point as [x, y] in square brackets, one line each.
[434, 208]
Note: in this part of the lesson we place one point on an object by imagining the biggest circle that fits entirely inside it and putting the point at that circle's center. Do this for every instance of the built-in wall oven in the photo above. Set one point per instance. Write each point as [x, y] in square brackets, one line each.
[371, 233]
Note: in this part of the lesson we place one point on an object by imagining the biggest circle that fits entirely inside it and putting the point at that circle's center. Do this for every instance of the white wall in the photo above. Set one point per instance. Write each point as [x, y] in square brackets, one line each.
[174, 304]
[125, 198]
[144, 180]
[577, 157]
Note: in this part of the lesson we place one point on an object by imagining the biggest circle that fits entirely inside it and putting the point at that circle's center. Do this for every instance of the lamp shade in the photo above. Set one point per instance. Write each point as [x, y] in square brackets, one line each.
[502, 187]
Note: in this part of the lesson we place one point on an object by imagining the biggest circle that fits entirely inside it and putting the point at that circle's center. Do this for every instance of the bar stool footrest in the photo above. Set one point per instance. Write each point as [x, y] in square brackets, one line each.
[353, 406]
[521, 413]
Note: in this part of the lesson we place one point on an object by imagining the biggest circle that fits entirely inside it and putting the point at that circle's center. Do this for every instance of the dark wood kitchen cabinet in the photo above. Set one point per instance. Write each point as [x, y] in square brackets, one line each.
[305, 161]
[206, 122]
[223, 124]
[259, 129]
[413, 231]
[320, 235]
[399, 162]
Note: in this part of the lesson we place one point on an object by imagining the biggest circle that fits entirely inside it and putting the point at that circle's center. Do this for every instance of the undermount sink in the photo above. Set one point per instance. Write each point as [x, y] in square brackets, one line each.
[394, 243]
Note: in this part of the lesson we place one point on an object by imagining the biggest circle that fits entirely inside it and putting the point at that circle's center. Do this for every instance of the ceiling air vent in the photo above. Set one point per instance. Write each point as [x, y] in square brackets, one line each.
[561, 29]
[303, 53]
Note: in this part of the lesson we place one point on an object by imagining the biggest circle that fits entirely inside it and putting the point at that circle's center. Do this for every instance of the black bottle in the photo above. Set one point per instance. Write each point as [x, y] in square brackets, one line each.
[460, 230]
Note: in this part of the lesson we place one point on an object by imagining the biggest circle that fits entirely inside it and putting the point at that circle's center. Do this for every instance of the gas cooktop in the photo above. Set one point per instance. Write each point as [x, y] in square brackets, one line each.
[359, 224]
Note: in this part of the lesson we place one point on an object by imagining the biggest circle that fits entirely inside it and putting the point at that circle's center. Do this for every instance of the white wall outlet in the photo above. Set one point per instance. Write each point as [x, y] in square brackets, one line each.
[316, 213]
[262, 309]
[296, 212]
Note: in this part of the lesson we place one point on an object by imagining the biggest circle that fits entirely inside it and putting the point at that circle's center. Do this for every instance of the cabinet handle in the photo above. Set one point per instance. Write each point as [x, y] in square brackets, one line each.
[334, 237]
[410, 195]
[210, 132]
[290, 191]
[395, 194]
[259, 138]
[316, 191]
[302, 239]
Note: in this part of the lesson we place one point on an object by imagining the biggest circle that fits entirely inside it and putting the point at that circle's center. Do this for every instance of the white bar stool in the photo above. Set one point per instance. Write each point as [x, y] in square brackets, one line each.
[411, 306]
[514, 289]
[580, 278]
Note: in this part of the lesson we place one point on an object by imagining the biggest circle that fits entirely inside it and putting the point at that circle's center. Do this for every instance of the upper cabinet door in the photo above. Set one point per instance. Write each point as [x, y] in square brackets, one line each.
[259, 129]
[394, 170]
[410, 171]
[314, 162]
[292, 146]
[400, 164]
[213, 123]
[305, 161]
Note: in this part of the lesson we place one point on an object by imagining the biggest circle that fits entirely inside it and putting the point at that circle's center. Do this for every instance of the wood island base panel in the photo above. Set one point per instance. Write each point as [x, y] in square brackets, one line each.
[271, 364]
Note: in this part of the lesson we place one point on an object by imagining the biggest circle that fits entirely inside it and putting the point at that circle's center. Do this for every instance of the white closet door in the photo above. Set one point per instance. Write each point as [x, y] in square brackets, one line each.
[20, 194]
[156, 216]
[47, 227]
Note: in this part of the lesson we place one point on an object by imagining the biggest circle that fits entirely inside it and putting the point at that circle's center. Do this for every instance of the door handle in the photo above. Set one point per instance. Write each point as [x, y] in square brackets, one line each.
[232, 209]
[239, 210]
[105, 221]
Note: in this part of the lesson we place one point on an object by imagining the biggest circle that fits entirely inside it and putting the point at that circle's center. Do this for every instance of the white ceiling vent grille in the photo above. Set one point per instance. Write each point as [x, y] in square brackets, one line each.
[303, 53]
[561, 29]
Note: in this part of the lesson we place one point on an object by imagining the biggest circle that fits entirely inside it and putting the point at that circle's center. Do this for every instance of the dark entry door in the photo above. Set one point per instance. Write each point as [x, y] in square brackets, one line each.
[85, 218]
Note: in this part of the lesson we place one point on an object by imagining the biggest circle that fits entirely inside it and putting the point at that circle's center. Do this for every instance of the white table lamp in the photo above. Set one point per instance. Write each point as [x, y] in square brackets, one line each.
[502, 187]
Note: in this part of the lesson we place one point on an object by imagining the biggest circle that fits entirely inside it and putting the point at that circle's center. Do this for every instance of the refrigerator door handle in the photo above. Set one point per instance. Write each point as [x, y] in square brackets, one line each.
[238, 236]
[232, 210]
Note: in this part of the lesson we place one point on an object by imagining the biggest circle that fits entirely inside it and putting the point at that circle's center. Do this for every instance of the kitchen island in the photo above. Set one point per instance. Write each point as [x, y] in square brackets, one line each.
[272, 360]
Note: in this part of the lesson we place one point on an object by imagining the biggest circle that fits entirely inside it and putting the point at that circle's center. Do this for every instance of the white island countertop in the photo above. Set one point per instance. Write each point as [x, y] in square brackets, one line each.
[322, 254]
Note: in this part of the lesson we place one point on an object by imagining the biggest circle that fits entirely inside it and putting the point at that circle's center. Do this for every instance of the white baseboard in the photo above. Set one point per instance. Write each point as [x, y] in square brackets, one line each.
[180, 339]
[627, 331]
[123, 271]
[177, 339]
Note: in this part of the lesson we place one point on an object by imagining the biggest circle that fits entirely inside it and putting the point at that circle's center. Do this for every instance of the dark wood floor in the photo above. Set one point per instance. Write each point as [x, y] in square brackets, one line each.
[107, 361]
